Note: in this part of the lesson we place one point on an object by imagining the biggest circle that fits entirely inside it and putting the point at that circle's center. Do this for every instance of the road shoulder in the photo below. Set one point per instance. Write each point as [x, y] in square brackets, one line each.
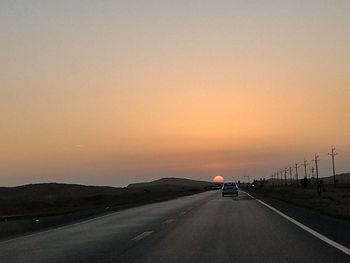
[335, 229]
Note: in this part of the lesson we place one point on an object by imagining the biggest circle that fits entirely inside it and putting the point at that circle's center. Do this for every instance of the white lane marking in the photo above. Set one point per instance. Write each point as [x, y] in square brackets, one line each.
[307, 229]
[183, 213]
[142, 236]
[169, 221]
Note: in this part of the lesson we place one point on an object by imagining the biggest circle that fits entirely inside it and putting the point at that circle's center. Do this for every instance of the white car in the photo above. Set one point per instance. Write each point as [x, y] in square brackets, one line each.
[229, 188]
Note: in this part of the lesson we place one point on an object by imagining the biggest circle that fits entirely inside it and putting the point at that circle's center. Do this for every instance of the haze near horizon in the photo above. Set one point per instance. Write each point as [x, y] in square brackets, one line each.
[114, 92]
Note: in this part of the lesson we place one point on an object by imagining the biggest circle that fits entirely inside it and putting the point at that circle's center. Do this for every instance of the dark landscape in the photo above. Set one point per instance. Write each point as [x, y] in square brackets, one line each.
[36, 207]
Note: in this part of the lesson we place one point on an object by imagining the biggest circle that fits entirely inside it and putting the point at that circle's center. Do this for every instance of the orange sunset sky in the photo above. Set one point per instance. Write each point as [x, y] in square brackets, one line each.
[114, 92]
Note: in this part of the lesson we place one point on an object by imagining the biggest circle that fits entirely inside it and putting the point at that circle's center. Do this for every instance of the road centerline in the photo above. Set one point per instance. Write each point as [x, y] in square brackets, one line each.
[168, 221]
[142, 236]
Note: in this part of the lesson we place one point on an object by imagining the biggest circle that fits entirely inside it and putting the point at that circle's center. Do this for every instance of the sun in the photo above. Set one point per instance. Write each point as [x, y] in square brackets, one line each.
[218, 179]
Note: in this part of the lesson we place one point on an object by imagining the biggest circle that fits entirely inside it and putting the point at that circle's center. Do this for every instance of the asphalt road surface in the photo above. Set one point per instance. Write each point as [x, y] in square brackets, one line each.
[199, 228]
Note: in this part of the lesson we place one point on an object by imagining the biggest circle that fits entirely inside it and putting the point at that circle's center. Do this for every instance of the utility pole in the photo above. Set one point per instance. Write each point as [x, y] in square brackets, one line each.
[285, 176]
[305, 164]
[333, 153]
[281, 177]
[290, 175]
[313, 174]
[316, 160]
[296, 173]
[276, 183]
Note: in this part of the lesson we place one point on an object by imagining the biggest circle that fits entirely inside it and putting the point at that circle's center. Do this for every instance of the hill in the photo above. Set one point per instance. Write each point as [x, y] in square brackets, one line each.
[54, 191]
[172, 183]
[57, 198]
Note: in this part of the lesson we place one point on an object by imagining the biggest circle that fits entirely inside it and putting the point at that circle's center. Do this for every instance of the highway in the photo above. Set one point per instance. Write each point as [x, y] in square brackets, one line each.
[200, 228]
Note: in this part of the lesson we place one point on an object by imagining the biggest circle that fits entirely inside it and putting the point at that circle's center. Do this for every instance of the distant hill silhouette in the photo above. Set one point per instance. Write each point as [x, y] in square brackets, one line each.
[54, 191]
[58, 198]
[171, 183]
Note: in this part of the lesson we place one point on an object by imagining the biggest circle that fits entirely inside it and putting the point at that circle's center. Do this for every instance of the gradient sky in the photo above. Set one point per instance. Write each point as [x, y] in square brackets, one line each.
[113, 92]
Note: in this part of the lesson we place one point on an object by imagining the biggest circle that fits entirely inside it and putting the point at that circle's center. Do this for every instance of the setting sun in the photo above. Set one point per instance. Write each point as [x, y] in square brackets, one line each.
[218, 179]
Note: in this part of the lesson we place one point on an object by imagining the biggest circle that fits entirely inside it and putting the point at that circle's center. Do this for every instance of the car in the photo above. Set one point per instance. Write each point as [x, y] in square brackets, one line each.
[229, 188]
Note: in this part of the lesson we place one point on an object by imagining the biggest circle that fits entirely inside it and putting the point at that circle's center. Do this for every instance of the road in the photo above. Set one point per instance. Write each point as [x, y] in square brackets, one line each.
[199, 228]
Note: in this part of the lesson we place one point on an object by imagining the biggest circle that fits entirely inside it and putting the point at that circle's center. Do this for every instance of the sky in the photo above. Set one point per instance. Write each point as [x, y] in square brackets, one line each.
[115, 92]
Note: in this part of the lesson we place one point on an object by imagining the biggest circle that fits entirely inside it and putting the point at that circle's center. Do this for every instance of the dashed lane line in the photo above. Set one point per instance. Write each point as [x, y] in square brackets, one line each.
[169, 221]
[142, 236]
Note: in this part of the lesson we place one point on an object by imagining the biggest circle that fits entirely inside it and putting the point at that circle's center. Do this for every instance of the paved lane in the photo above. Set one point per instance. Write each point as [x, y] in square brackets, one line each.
[200, 228]
[92, 240]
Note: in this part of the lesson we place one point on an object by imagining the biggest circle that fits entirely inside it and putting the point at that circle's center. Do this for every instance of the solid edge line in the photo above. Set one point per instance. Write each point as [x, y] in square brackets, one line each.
[307, 229]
